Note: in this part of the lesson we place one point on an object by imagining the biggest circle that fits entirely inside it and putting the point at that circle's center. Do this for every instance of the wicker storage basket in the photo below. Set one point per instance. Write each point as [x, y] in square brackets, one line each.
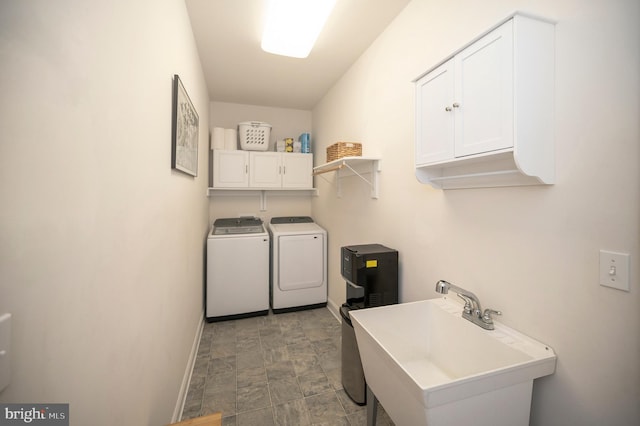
[343, 149]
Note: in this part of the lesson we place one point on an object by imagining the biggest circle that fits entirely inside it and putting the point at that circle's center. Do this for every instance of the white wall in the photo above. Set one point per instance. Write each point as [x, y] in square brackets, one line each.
[285, 123]
[101, 243]
[531, 252]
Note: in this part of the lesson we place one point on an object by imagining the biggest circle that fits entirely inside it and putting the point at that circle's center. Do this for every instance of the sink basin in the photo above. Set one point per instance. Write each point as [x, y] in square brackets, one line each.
[429, 366]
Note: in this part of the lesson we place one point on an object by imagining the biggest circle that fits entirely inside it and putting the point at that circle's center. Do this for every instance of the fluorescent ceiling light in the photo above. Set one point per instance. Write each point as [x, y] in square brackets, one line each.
[293, 26]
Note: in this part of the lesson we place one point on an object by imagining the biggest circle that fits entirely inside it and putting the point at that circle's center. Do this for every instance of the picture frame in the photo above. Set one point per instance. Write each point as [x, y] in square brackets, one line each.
[184, 131]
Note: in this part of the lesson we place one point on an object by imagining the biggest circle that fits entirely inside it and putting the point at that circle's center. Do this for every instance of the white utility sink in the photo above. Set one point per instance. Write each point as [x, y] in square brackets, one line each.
[429, 366]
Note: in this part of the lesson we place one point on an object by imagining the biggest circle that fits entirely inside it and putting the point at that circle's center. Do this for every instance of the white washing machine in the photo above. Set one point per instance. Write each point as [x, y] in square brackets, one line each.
[237, 269]
[298, 264]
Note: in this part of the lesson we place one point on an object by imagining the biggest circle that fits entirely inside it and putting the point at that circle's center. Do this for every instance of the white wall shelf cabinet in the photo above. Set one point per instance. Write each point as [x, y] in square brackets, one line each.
[256, 173]
[366, 168]
[262, 170]
[485, 115]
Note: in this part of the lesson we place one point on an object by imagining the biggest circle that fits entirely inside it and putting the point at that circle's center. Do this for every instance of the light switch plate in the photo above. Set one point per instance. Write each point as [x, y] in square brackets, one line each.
[614, 270]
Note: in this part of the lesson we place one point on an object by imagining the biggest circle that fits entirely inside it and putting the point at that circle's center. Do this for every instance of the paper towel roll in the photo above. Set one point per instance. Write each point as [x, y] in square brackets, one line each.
[217, 139]
[230, 139]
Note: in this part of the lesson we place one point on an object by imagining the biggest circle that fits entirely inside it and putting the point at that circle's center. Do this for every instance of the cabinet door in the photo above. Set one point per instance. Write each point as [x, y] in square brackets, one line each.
[434, 115]
[484, 94]
[297, 170]
[230, 169]
[265, 170]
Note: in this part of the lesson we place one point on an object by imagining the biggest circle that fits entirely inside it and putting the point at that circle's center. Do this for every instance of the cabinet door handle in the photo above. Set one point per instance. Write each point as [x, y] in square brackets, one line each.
[448, 109]
[456, 105]
[246, 169]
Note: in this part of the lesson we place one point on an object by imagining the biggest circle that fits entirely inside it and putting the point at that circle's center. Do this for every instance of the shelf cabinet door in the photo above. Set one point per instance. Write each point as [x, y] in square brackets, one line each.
[483, 94]
[265, 170]
[297, 171]
[434, 115]
[230, 169]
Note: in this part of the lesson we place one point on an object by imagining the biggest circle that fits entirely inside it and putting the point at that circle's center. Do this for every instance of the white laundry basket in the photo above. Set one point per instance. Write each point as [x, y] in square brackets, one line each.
[254, 135]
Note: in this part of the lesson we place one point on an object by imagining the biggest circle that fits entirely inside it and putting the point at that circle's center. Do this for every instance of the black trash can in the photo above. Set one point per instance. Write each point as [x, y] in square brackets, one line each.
[352, 374]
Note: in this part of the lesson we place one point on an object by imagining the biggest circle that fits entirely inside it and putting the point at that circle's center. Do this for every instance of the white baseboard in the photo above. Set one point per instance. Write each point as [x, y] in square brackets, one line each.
[334, 308]
[186, 380]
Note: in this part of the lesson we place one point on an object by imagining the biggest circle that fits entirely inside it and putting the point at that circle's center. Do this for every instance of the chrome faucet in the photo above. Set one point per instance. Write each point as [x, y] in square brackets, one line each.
[472, 310]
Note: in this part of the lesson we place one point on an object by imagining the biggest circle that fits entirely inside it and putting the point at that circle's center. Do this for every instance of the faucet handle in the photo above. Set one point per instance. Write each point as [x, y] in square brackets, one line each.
[468, 304]
[486, 315]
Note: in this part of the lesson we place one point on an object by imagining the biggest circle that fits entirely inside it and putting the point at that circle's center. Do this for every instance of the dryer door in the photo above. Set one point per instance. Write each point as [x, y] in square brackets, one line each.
[300, 261]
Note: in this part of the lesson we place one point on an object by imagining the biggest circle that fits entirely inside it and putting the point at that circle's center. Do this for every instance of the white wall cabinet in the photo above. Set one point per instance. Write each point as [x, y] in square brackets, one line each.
[262, 170]
[484, 116]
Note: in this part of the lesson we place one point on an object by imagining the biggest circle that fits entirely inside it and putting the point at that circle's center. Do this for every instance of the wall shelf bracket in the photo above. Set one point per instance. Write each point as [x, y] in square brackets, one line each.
[353, 166]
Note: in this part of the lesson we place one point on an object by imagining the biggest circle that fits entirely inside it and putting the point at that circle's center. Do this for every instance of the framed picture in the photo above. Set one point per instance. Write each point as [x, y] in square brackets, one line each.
[184, 131]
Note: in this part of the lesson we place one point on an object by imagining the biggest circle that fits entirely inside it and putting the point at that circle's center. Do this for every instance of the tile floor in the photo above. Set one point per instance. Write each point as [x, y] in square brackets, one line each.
[282, 369]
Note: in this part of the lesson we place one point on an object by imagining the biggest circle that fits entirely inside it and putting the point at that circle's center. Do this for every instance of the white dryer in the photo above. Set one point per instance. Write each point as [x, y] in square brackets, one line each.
[237, 269]
[298, 264]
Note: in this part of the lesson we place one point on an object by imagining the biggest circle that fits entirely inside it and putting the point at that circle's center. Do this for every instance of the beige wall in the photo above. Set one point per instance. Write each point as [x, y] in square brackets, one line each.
[285, 123]
[101, 243]
[531, 252]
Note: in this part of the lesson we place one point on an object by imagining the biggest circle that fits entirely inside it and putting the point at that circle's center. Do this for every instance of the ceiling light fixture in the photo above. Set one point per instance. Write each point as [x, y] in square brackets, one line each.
[292, 26]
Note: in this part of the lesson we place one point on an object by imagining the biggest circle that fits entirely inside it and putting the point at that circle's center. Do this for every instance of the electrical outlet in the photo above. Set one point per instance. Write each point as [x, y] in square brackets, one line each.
[614, 270]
